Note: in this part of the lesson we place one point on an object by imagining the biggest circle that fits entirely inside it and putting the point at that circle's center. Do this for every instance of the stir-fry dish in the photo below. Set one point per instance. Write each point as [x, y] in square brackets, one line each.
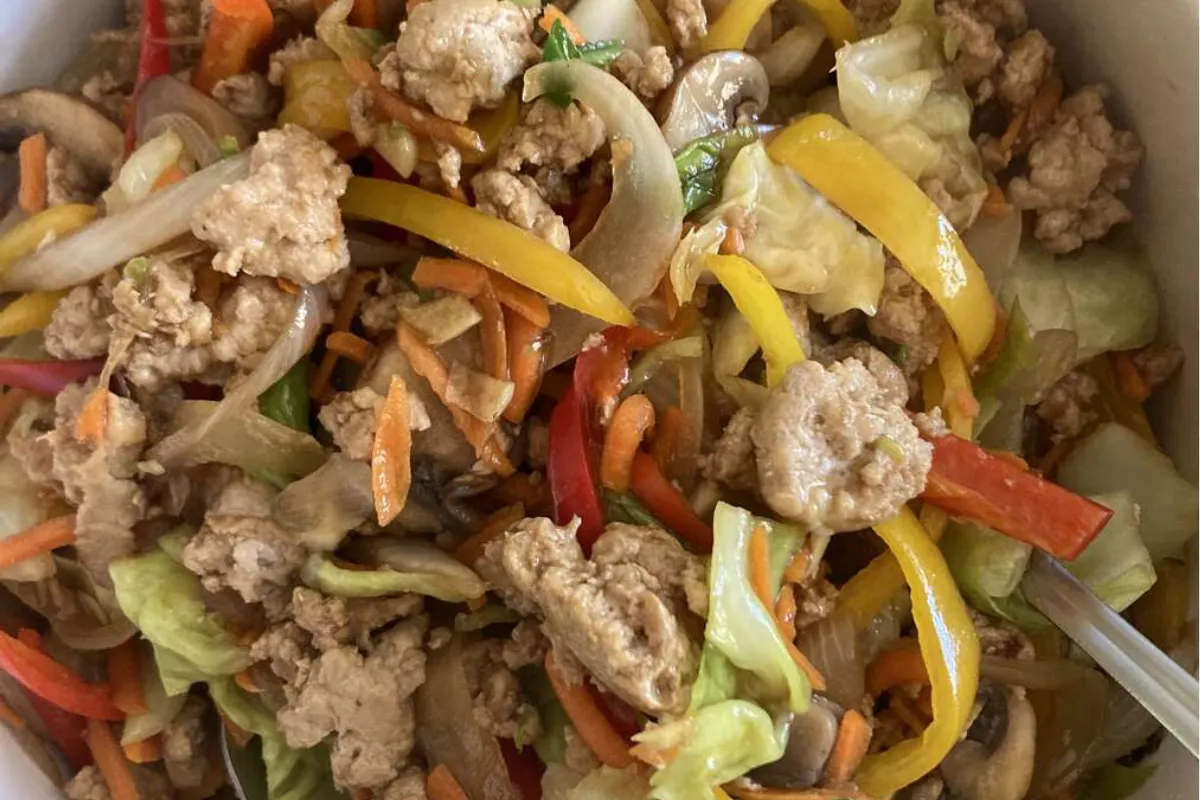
[489, 400]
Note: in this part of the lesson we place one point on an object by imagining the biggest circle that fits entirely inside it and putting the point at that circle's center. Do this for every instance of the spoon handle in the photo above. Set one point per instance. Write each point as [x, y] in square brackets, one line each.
[1166, 690]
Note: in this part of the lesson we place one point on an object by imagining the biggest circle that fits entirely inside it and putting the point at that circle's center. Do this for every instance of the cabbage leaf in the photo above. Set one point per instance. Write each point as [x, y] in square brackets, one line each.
[607, 783]
[161, 707]
[22, 506]
[801, 243]
[250, 440]
[450, 582]
[166, 603]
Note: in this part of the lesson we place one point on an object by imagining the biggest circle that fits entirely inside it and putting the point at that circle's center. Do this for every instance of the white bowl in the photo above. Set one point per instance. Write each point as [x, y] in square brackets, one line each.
[1146, 51]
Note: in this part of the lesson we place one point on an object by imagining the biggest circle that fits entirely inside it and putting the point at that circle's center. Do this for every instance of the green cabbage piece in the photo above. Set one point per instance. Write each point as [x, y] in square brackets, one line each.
[21, 507]
[713, 745]
[454, 584]
[247, 439]
[895, 92]
[161, 707]
[551, 743]
[801, 243]
[1115, 459]
[606, 783]
[165, 601]
[738, 625]
[290, 774]
[1116, 564]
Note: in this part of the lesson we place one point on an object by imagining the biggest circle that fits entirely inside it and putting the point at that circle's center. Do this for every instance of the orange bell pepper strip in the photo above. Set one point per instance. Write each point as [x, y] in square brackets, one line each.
[237, 30]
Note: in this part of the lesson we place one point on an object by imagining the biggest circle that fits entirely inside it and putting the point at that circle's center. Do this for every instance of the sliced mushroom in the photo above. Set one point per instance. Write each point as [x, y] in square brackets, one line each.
[707, 96]
[69, 122]
[995, 761]
[810, 741]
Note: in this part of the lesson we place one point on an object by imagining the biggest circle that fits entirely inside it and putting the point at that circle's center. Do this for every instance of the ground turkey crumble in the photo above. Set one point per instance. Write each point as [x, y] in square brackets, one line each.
[515, 199]
[283, 219]
[296, 51]
[499, 704]
[817, 443]
[351, 418]
[646, 74]
[459, 55]
[185, 754]
[79, 325]
[557, 138]
[1068, 406]
[908, 316]
[249, 96]
[613, 616]
[687, 21]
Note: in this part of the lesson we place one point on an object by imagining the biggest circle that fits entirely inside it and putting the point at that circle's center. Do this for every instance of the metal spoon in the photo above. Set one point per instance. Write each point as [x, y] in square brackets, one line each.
[1166, 690]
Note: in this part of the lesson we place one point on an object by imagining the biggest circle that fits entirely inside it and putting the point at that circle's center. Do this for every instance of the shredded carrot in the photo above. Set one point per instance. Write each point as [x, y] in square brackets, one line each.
[1129, 378]
[666, 293]
[30, 638]
[41, 538]
[470, 550]
[31, 156]
[451, 274]
[245, 682]
[10, 403]
[760, 582]
[526, 359]
[591, 206]
[348, 345]
[814, 793]
[110, 760]
[895, 667]
[362, 794]
[632, 421]
[1008, 141]
[1042, 110]
[125, 675]
[391, 455]
[346, 146]
[664, 449]
[588, 718]
[287, 286]
[520, 488]
[493, 338]
[798, 568]
[10, 717]
[172, 174]
[554, 14]
[785, 612]
[92, 421]
[426, 363]
[849, 748]
[733, 243]
[899, 706]
[999, 337]
[420, 122]
[236, 30]
[442, 785]
[144, 752]
[521, 299]
[343, 316]
[995, 204]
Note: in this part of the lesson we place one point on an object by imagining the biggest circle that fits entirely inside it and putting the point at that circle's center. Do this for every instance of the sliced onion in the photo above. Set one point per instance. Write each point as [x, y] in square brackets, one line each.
[443, 319]
[239, 436]
[994, 243]
[167, 94]
[631, 244]
[84, 615]
[296, 340]
[398, 148]
[790, 56]
[323, 507]
[449, 734]
[1049, 675]
[478, 393]
[831, 644]
[113, 240]
[197, 141]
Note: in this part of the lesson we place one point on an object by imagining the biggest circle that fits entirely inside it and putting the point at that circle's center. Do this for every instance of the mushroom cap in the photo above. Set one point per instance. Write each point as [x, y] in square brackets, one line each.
[69, 122]
[707, 94]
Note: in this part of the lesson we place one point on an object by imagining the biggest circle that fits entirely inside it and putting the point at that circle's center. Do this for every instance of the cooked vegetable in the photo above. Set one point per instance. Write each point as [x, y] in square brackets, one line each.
[631, 423]
[708, 96]
[111, 761]
[314, 97]
[667, 504]
[51, 681]
[321, 508]
[22, 511]
[763, 309]
[235, 32]
[860, 181]
[400, 566]
[37, 540]
[589, 720]
[160, 708]
[31, 233]
[286, 400]
[732, 29]
[391, 455]
[124, 673]
[699, 162]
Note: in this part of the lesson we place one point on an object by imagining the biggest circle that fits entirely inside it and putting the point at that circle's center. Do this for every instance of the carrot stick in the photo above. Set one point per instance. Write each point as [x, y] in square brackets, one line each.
[245, 682]
[172, 174]
[10, 717]
[426, 363]
[125, 675]
[899, 706]
[93, 417]
[590, 723]
[492, 337]
[343, 316]
[391, 455]
[365, 14]
[470, 550]
[111, 761]
[995, 204]
[236, 31]
[526, 359]
[442, 785]
[348, 345]
[785, 612]
[631, 422]
[665, 447]
[10, 403]
[31, 156]
[144, 752]
[591, 205]
[849, 748]
[760, 582]
[525, 301]
[1129, 378]
[451, 274]
[554, 14]
[41, 538]
[420, 122]
[895, 667]
[208, 286]
[797, 569]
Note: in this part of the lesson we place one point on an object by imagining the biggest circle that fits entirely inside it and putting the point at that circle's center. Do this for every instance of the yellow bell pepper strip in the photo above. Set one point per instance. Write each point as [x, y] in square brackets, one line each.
[29, 312]
[857, 178]
[660, 34]
[759, 303]
[837, 20]
[492, 242]
[25, 237]
[315, 95]
[733, 27]
[958, 399]
[949, 647]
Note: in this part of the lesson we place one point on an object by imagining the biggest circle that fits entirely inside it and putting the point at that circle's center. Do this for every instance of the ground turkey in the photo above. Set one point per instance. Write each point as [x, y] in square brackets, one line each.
[833, 452]
[612, 615]
[459, 55]
[250, 96]
[283, 219]
[647, 74]
[79, 326]
[516, 199]
[908, 316]
[554, 140]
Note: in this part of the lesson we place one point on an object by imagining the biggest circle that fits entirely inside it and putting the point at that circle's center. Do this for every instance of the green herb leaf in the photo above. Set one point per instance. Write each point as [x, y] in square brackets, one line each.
[620, 507]
[559, 47]
[699, 164]
[286, 400]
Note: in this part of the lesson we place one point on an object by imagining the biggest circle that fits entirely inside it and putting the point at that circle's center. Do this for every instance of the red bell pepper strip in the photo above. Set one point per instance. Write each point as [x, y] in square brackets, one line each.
[154, 59]
[65, 728]
[54, 683]
[524, 769]
[667, 503]
[971, 483]
[236, 32]
[49, 377]
[571, 470]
